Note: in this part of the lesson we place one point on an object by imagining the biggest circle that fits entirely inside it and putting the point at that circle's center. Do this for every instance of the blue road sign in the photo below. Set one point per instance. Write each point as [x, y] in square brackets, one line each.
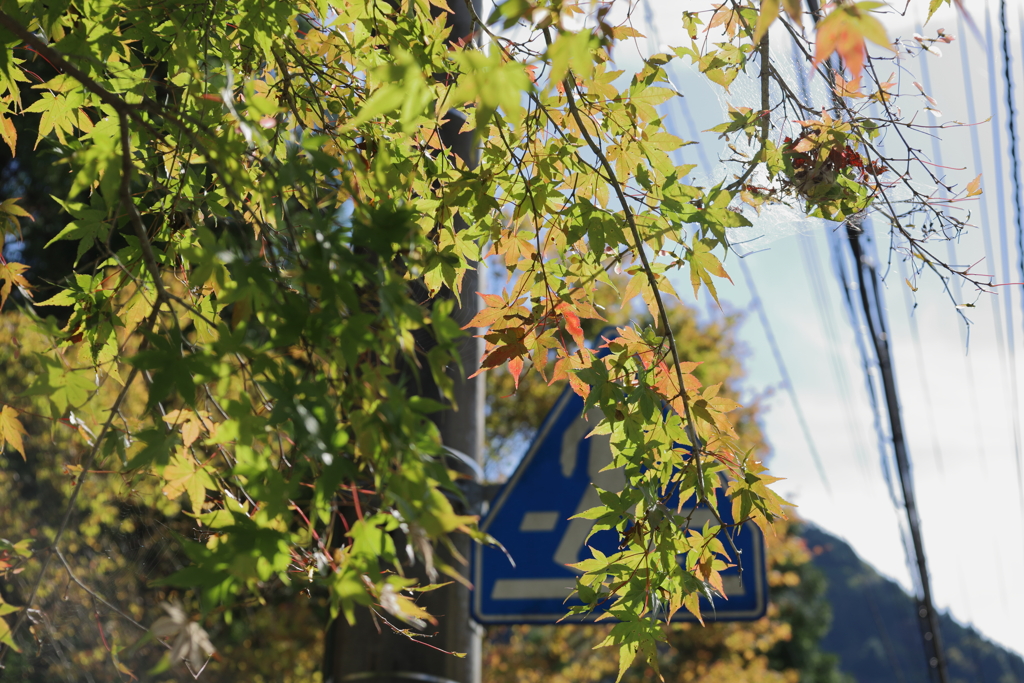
[530, 517]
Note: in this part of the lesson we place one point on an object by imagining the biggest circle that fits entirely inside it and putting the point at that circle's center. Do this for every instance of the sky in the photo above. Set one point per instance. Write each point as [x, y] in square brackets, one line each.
[958, 401]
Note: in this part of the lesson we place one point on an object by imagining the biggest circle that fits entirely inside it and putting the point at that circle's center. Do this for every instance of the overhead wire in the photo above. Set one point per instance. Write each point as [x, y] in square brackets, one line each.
[1019, 223]
[873, 310]
[847, 286]
[756, 302]
[979, 441]
[874, 315]
[986, 231]
[954, 282]
[812, 259]
[1005, 252]
[871, 304]
[787, 381]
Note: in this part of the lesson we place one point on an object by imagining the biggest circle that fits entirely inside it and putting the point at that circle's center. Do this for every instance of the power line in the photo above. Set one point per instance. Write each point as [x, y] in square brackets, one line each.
[1018, 211]
[911, 305]
[874, 315]
[845, 286]
[787, 381]
[997, 317]
[1004, 244]
[811, 257]
[955, 282]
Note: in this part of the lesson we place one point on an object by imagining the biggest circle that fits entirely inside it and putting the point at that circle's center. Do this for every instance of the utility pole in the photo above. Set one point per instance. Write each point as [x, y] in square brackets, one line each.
[870, 297]
[362, 652]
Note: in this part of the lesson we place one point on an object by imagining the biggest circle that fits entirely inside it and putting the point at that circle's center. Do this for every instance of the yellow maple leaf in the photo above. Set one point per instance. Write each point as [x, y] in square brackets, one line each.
[11, 430]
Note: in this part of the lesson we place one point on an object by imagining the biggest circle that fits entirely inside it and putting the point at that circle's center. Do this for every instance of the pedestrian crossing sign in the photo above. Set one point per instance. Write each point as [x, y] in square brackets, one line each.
[530, 518]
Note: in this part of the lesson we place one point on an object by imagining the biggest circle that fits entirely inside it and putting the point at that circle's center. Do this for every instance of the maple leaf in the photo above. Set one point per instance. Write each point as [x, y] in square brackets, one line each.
[632, 637]
[190, 423]
[191, 642]
[9, 133]
[572, 323]
[499, 356]
[847, 88]
[486, 316]
[11, 274]
[184, 475]
[11, 211]
[974, 187]
[404, 608]
[845, 31]
[727, 18]
[11, 430]
[515, 366]
[704, 264]
[6, 637]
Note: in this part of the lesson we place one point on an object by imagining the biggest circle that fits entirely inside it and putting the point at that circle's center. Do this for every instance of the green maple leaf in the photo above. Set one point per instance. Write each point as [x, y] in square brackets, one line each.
[704, 264]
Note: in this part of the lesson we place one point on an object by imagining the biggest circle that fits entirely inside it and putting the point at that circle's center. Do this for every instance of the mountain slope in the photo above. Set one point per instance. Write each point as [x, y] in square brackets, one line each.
[875, 633]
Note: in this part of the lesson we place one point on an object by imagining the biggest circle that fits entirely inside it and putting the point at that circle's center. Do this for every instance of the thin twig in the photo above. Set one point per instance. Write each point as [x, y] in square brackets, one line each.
[69, 509]
[96, 596]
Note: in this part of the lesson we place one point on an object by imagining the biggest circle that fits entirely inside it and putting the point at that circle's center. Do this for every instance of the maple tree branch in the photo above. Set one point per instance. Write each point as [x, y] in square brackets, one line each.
[569, 84]
[148, 257]
[58, 61]
[765, 54]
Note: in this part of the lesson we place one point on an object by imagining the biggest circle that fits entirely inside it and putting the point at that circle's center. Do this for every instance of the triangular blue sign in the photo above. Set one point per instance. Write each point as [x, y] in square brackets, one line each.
[530, 517]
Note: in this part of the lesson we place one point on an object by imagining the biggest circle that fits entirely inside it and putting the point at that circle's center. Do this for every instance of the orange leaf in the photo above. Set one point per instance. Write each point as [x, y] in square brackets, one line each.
[11, 430]
[572, 323]
[499, 356]
[579, 386]
[844, 31]
[9, 134]
[515, 366]
[11, 274]
[974, 187]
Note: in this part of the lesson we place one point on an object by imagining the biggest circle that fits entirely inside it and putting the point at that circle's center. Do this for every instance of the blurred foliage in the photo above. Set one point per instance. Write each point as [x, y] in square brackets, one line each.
[115, 546]
[119, 545]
